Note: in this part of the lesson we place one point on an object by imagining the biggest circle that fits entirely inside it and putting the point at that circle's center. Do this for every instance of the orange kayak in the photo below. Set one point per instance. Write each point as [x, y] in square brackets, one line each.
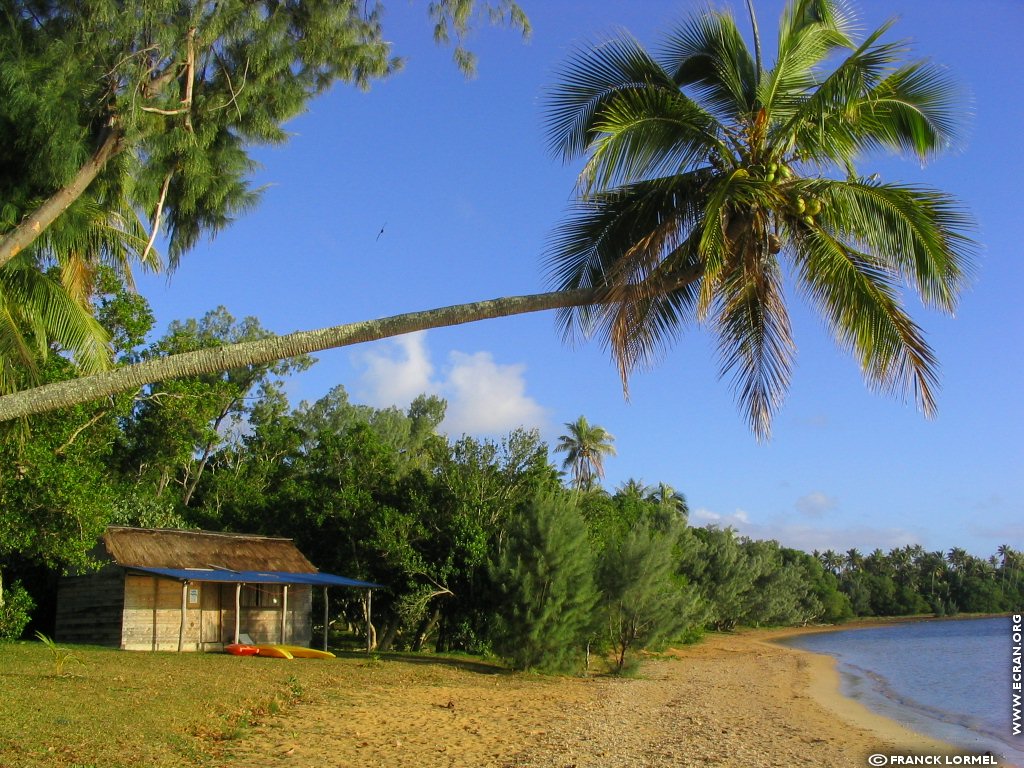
[237, 649]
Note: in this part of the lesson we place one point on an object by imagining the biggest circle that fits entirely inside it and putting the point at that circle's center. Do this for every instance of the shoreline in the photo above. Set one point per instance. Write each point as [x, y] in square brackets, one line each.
[825, 686]
[733, 700]
[830, 694]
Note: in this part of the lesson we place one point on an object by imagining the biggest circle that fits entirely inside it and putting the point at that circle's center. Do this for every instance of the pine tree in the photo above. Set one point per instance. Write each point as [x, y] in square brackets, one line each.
[545, 577]
[644, 603]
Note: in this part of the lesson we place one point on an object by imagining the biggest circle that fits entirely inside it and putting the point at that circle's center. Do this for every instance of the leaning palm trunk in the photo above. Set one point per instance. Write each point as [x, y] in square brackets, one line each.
[76, 391]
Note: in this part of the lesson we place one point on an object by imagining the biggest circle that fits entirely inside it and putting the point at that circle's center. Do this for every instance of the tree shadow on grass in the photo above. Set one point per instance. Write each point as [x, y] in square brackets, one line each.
[469, 665]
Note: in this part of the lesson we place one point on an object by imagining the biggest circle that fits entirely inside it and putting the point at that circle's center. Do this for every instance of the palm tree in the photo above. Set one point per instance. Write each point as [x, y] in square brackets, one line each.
[585, 446]
[37, 312]
[704, 171]
[669, 497]
[1006, 559]
[853, 559]
[47, 290]
[707, 174]
[832, 561]
[633, 488]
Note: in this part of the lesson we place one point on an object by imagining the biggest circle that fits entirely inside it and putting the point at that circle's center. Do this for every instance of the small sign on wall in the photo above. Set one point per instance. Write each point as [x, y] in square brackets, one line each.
[193, 595]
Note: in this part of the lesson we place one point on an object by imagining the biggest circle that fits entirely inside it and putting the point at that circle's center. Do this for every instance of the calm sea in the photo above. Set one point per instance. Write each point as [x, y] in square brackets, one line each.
[947, 679]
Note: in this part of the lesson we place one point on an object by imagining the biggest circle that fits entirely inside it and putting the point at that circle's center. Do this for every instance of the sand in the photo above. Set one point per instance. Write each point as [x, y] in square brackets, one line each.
[733, 700]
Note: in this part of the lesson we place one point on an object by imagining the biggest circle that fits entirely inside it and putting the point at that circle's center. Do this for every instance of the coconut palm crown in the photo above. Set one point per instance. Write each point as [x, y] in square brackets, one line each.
[585, 445]
[708, 178]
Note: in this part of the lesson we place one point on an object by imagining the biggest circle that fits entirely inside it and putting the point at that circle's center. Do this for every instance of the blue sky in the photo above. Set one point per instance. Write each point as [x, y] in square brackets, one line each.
[457, 173]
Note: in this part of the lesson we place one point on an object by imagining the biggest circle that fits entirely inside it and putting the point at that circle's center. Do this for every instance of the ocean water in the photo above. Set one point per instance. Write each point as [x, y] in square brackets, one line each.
[947, 679]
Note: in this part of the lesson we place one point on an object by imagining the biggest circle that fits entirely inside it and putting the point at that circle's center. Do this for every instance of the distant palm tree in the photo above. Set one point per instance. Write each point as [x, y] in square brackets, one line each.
[1007, 561]
[957, 558]
[832, 561]
[633, 488]
[902, 561]
[668, 496]
[705, 170]
[854, 560]
[585, 446]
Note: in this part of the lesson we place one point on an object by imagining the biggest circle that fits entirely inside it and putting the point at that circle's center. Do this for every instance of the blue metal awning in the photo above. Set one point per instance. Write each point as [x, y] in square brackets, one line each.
[225, 575]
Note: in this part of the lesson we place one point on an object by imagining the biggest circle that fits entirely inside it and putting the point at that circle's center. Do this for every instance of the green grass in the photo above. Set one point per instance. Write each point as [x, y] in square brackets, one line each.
[123, 709]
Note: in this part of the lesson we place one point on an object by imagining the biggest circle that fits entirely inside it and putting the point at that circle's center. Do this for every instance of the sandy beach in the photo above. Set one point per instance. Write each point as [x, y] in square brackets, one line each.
[733, 700]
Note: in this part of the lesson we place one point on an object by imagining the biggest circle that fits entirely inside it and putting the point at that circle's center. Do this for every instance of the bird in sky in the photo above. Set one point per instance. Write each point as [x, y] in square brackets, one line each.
[381, 230]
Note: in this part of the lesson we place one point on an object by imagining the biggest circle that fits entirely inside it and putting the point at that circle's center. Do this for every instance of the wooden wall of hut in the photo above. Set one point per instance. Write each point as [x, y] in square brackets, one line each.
[89, 608]
[152, 616]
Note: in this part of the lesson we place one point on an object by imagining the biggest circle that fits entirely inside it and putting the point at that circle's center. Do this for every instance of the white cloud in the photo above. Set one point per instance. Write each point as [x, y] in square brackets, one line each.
[737, 519]
[809, 537]
[484, 397]
[816, 504]
[396, 372]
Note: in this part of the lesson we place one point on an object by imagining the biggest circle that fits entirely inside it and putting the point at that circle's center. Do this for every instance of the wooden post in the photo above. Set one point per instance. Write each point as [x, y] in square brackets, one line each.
[325, 617]
[284, 615]
[369, 619]
[156, 612]
[238, 608]
[184, 610]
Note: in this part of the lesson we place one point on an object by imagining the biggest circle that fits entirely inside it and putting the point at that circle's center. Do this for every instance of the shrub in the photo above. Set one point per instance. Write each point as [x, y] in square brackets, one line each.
[15, 611]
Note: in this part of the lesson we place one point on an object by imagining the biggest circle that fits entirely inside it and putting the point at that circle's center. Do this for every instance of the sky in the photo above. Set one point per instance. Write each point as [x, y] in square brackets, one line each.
[458, 175]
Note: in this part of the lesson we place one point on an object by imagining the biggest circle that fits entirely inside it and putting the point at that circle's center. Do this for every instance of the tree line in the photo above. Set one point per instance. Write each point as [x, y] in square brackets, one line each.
[489, 546]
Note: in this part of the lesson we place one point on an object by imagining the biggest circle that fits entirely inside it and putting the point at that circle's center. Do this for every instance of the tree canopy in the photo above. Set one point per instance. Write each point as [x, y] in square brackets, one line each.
[710, 179]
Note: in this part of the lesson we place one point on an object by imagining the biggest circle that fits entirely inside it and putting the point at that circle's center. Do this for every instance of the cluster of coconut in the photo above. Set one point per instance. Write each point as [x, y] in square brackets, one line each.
[768, 172]
[807, 208]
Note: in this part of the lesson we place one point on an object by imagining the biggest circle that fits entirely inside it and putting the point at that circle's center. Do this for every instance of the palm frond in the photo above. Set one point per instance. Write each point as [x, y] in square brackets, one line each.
[915, 110]
[810, 32]
[709, 54]
[918, 232]
[799, 16]
[39, 312]
[640, 330]
[588, 82]
[857, 295]
[754, 337]
[644, 133]
[588, 249]
[823, 124]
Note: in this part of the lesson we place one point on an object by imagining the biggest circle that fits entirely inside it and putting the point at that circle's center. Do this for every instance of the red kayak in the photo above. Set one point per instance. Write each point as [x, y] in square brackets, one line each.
[237, 649]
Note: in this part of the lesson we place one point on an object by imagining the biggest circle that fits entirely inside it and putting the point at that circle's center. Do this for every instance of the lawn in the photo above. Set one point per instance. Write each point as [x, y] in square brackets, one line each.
[121, 709]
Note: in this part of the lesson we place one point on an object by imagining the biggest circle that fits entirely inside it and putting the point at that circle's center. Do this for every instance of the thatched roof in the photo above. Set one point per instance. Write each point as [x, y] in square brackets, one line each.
[165, 548]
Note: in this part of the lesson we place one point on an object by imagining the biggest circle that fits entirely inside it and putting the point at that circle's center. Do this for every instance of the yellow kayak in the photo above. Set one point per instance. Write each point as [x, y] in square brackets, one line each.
[299, 652]
[274, 651]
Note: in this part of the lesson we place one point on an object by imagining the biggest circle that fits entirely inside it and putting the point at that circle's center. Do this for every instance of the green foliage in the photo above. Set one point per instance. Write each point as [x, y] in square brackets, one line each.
[61, 657]
[643, 601]
[725, 573]
[544, 580]
[55, 490]
[685, 215]
[585, 445]
[16, 606]
[179, 424]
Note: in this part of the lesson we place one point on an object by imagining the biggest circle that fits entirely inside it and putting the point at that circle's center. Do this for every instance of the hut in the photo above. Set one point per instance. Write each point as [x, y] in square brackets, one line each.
[161, 589]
